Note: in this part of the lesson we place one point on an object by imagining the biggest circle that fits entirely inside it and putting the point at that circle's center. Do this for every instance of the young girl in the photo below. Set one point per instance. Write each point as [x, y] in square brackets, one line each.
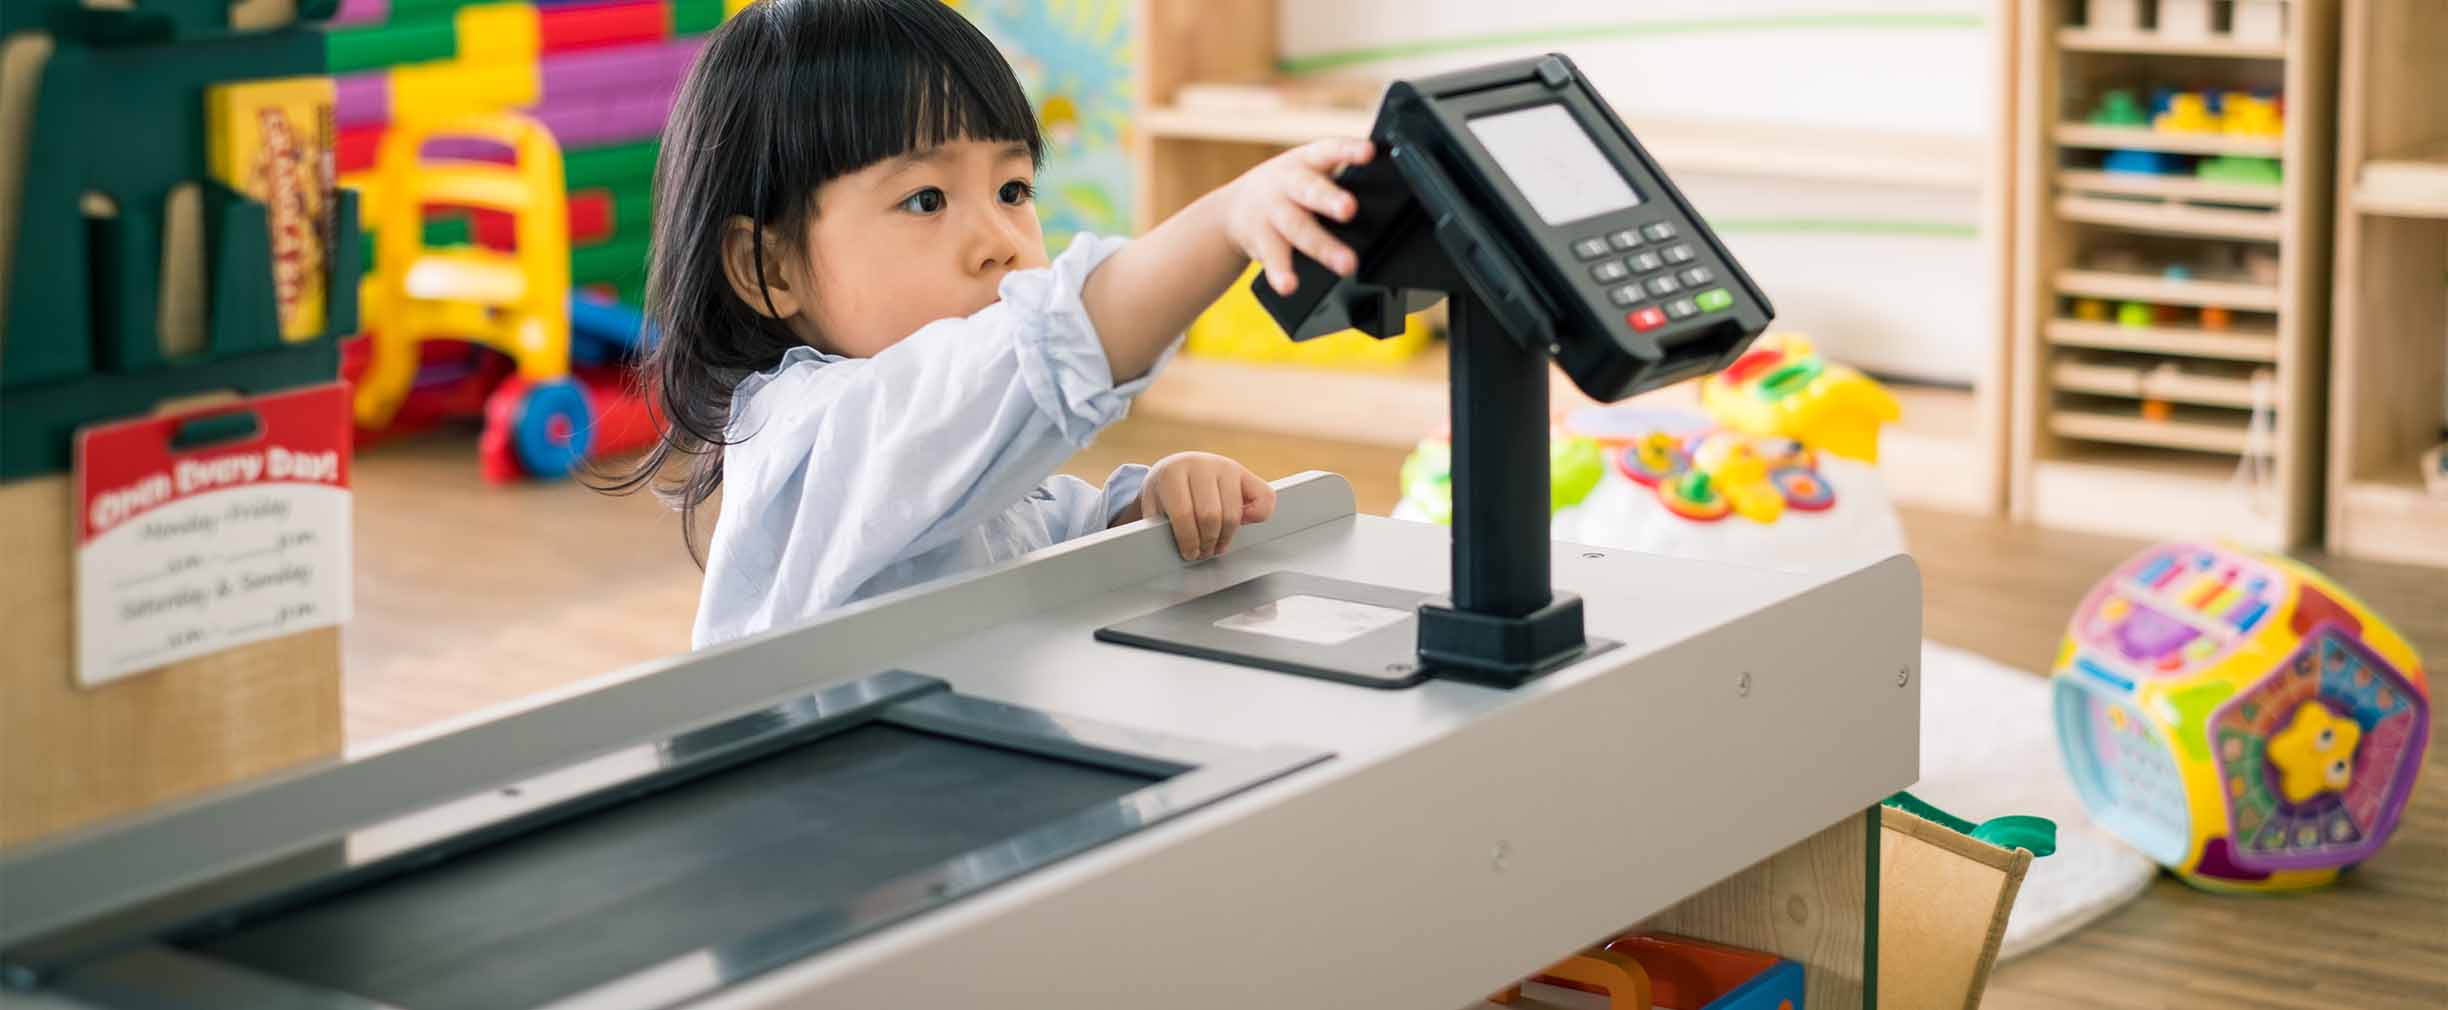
[864, 346]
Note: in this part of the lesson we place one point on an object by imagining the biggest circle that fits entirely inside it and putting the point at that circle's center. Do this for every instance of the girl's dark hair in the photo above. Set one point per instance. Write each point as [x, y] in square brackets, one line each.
[786, 96]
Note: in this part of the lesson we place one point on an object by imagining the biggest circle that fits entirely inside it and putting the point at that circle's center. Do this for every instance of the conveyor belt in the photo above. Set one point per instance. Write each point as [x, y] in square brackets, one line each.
[573, 905]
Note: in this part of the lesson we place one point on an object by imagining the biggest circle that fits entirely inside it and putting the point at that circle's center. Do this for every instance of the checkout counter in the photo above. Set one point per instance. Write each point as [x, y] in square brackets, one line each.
[1330, 768]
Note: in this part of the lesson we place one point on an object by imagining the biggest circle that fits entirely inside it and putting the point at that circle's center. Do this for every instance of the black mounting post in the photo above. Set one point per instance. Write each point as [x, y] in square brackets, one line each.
[1500, 479]
[1504, 622]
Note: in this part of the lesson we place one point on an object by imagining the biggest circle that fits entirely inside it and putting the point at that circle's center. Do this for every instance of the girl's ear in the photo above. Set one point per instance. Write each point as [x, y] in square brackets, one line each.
[765, 287]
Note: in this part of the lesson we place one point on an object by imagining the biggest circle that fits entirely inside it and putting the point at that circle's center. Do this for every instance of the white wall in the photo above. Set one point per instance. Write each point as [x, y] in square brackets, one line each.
[1891, 278]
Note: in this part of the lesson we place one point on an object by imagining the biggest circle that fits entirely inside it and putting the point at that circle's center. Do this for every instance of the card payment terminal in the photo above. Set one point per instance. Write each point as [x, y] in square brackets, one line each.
[1514, 191]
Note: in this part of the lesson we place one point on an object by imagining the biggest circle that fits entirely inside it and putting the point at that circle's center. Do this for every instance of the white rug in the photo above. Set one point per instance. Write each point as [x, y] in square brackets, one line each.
[1988, 749]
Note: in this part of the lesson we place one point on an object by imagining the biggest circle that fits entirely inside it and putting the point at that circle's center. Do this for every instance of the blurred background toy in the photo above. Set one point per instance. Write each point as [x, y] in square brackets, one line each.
[2238, 717]
[1783, 387]
[1779, 471]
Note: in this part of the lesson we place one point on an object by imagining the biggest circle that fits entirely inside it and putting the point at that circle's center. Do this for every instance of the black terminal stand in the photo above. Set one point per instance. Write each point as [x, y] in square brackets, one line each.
[1513, 192]
[1504, 621]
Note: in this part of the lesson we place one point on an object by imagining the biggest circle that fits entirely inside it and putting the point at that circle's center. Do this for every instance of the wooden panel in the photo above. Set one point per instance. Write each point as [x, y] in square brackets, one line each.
[1993, 390]
[2398, 63]
[2236, 344]
[2146, 288]
[2171, 218]
[2221, 388]
[2103, 40]
[72, 755]
[2397, 315]
[2177, 433]
[2041, 248]
[2171, 187]
[2147, 492]
[1943, 904]
[2387, 347]
[1201, 40]
[2304, 280]
[1175, 172]
[2141, 138]
[1179, 41]
[2393, 520]
[1805, 903]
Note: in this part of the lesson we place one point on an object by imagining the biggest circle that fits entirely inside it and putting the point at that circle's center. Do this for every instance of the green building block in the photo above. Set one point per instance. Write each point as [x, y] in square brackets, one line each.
[609, 167]
[610, 263]
[696, 17]
[2238, 168]
[632, 211]
[2120, 107]
[426, 10]
[373, 47]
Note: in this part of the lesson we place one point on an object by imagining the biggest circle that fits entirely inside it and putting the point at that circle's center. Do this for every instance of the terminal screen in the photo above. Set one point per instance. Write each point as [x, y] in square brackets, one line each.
[1554, 163]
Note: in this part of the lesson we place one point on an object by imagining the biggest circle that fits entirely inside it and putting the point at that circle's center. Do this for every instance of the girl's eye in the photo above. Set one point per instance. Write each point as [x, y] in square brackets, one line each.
[1017, 192]
[925, 201]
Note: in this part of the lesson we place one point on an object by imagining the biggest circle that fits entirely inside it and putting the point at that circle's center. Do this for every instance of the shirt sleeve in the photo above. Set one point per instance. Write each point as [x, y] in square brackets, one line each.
[844, 468]
[1071, 507]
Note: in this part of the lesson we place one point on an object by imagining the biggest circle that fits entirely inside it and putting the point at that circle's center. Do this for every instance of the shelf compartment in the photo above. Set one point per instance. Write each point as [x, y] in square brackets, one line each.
[2172, 218]
[2137, 381]
[2196, 431]
[2137, 138]
[2109, 40]
[1286, 127]
[2260, 345]
[2136, 491]
[2171, 187]
[1770, 150]
[2414, 186]
[2389, 518]
[2148, 288]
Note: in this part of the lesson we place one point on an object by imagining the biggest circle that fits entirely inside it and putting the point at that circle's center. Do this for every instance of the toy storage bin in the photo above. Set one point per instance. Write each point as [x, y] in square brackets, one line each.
[1943, 901]
[1663, 971]
[1940, 913]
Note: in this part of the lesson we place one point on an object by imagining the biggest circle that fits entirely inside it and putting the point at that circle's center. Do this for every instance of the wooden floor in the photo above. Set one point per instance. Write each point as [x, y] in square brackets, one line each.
[469, 595]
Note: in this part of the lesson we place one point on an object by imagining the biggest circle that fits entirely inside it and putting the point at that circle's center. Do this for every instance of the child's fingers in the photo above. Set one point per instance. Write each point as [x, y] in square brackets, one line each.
[1167, 494]
[1320, 194]
[1274, 255]
[1334, 152]
[1228, 512]
[1207, 505]
[1257, 498]
[1307, 235]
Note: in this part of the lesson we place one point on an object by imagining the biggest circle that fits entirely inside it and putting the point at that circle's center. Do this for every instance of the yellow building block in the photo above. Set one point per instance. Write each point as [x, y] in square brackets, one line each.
[425, 92]
[494, 33]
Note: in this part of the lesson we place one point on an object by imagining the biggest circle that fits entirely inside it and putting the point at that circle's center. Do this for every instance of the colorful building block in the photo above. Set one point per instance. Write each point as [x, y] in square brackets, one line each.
[587, 26]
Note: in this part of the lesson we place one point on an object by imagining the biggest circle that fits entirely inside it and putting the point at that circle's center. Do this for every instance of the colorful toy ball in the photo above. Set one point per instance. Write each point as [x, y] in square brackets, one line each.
[2239, 717]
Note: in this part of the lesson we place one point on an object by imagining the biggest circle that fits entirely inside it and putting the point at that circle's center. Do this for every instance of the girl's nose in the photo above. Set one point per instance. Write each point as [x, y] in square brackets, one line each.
[996, 246]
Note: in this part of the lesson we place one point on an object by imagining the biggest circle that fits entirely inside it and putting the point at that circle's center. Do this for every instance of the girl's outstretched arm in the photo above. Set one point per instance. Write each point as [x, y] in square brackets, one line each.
[1147, 294]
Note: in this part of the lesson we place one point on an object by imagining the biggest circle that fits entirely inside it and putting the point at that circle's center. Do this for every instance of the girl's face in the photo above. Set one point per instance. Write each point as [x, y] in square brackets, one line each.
[913, 239]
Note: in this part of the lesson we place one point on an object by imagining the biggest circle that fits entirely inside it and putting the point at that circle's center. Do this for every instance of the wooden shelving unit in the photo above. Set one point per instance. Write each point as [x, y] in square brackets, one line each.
[2201, 416]
[2389, 341]
[1948, 452]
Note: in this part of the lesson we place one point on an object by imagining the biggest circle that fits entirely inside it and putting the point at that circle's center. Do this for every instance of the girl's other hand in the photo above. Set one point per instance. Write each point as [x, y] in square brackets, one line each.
[1207, 497]
[1274, 209]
